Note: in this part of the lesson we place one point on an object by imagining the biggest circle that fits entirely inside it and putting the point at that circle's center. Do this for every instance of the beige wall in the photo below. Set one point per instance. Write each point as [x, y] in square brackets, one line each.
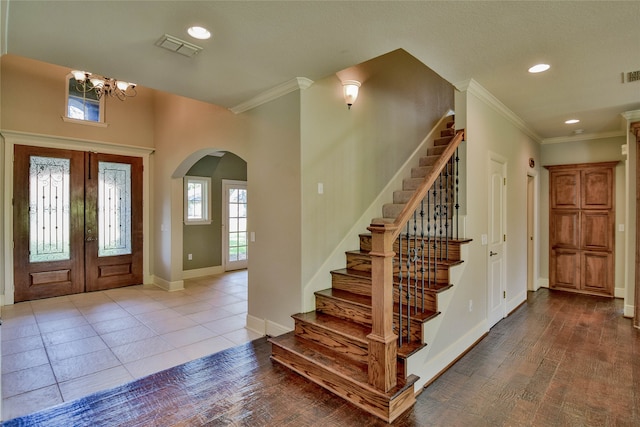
[33, 100]
[355, 153]
[590, 151]
[274, 211]
[488, 130]
[185, 131]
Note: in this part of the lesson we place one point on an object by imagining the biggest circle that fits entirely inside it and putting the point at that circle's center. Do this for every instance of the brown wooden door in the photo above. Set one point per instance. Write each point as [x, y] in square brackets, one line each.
[48, 190]
[113, 221]
[69, 232]
[581, 228]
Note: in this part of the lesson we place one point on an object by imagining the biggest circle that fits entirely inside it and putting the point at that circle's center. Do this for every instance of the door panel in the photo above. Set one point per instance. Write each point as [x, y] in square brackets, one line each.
[596, 188]
[565, 229]
[48, 213]
[113, 221]
[235, 240]
[497, 230]
[58, 223]
[597, 271]
[596, 230]
[565, 269]
[565, 194]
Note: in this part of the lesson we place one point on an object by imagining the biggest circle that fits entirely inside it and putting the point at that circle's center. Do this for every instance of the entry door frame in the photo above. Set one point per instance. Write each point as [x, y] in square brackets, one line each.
[20, 138]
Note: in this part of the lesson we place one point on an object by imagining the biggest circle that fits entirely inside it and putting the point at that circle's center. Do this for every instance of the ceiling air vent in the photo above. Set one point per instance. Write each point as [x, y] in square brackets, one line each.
[176, 45]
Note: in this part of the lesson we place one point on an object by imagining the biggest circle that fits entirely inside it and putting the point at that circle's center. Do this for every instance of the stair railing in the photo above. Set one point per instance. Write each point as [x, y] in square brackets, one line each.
[383, 341]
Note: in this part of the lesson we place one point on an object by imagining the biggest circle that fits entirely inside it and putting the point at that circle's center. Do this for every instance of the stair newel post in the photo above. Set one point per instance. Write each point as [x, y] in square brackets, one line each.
[383, 347]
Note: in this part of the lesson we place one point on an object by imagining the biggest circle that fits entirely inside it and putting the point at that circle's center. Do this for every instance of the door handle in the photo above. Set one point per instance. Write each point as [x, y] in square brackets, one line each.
[491, 253]
[90, 239]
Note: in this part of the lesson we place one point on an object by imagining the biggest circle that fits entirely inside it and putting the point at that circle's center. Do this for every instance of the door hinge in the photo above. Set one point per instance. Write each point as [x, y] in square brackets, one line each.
[504, 237]
[505, 181]
[504, 294]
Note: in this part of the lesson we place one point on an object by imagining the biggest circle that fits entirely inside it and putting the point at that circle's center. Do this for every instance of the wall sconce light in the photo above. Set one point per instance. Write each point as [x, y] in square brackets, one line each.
[350, 88]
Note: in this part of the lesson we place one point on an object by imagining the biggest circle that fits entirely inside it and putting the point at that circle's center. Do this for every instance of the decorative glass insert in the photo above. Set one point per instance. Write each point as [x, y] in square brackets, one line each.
[237, 224]
[82, 105]
[114, 209]
[49, 209]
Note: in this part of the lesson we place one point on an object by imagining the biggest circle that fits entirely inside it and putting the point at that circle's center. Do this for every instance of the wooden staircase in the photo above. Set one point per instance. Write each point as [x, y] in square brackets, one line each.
[346, 345]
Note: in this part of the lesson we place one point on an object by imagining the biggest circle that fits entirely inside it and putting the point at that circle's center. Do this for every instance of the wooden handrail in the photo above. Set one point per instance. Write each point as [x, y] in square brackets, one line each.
[423, 189]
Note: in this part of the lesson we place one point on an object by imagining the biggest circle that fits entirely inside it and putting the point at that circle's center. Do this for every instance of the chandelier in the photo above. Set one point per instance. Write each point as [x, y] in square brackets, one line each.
[87, 82]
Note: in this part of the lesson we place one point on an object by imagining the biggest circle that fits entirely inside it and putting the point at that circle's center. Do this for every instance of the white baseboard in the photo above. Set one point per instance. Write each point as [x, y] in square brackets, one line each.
[176, 285]
[266, 327]
[629, 311]
[514, 303]
[201, 272]
[438, 363]
[543, 282]
[618, 292]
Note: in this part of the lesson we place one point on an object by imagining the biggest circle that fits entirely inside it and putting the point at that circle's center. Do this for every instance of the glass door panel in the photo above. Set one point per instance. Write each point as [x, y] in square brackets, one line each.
[236, 242]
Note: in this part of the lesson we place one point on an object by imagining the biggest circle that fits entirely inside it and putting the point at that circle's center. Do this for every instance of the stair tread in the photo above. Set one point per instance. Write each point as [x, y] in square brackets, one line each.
[324, 356]
[365, 301]
[353, 330]
[409, 348]
[353, 272]
[356, 372]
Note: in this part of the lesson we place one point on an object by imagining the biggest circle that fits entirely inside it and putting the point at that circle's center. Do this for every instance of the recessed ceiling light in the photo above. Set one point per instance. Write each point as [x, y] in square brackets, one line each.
[572, 121]
[200, 33]
[539, 68]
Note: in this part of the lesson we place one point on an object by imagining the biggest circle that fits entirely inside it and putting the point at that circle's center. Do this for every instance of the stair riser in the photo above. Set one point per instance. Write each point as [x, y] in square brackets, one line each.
[393, 210]
[343, 310]
[355, 350]
[436, 151]
[453, 247]
[442, 141]
[428, 160]
[362, 262]
[353, 284]
[360, 314]
[361, 286]
[403, 197]
[364, 398]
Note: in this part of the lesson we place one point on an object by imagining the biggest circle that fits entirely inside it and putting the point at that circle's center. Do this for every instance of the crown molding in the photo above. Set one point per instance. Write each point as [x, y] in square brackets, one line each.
[632, 116]
[297, 83]
[583, 137]
[485, 96]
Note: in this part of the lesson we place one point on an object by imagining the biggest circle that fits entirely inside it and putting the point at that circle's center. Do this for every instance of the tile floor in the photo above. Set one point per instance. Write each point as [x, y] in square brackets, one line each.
[59, 349]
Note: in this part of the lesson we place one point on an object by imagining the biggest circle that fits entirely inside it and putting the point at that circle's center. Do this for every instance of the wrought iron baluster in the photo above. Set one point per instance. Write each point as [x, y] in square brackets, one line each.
[400, 252]
[457, 194]
[422, 253]
[408, 292]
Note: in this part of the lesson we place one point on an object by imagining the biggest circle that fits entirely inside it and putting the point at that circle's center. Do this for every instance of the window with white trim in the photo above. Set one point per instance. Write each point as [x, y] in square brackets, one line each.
[84, 106]
[197, 197]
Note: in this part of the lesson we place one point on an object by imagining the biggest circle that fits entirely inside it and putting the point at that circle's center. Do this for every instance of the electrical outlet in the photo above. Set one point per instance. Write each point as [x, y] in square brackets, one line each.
[190, 257]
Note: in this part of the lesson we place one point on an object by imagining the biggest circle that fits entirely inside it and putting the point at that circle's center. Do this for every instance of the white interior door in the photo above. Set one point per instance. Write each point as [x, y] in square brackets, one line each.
[235, 239]
[497, 242]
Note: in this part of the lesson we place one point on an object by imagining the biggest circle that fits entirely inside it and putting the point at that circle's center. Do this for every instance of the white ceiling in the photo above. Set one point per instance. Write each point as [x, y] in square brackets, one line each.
[257, 45]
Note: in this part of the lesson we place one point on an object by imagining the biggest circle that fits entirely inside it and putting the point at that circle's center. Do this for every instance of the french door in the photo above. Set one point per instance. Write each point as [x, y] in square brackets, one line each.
[77, 222]
[235, 241]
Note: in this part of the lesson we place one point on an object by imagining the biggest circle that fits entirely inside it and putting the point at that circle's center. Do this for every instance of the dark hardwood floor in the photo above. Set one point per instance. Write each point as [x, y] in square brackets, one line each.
[561, 359]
